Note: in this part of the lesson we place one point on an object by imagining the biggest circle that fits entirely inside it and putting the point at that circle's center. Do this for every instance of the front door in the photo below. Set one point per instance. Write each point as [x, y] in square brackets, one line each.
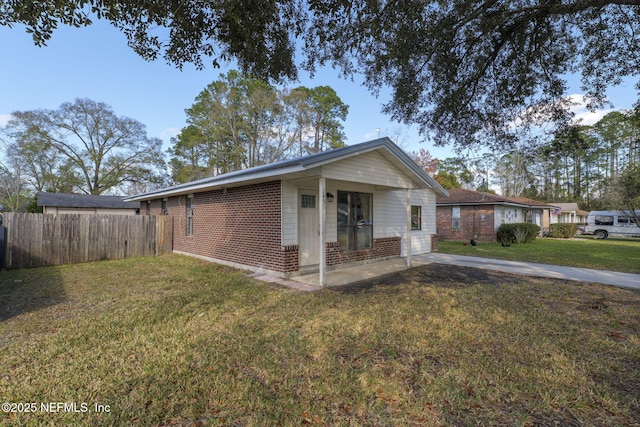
[537, 220]
[308, 227]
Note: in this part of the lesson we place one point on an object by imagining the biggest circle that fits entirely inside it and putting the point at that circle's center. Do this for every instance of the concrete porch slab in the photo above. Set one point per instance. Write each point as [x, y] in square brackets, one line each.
[346, 275]
[301, 286]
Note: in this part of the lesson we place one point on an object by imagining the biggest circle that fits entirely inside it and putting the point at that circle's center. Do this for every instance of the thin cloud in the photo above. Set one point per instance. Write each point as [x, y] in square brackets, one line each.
[169, 133]
[4, 119]
[582, 114]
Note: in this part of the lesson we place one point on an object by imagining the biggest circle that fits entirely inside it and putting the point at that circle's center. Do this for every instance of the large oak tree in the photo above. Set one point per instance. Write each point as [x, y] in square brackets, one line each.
[83, 146]
[465, 70]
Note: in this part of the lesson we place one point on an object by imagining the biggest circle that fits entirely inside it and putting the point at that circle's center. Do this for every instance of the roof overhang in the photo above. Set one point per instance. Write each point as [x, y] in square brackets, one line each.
[498, 203]
[302, 167]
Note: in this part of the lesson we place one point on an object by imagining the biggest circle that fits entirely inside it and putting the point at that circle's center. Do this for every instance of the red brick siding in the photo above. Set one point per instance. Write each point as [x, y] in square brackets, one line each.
[240, 225]
[290, 258]
[471, 224]
[243, 225]
[156, 207]
[382, 247]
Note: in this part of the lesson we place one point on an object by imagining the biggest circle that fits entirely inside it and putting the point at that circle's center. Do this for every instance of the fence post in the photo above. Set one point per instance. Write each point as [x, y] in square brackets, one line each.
[3, 244]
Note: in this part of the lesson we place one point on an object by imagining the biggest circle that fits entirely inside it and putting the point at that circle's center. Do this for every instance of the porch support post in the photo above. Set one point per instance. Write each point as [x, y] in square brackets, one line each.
[408, 238]
[322, 189]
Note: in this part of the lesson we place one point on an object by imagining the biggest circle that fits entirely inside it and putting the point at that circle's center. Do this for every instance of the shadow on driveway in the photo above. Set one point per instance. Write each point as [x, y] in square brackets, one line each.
[451, 275]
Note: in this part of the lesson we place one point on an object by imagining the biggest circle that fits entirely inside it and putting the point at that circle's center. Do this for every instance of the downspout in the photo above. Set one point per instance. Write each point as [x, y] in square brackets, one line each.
[408, 238]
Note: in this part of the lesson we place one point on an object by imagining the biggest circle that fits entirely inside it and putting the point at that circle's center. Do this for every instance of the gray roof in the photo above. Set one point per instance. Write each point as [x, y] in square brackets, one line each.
[62, 200]
[299, 164]
[461, 196]
[567, 207]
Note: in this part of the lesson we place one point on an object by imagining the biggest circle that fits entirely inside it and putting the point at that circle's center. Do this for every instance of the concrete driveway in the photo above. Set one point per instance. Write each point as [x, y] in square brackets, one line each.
[534, 269]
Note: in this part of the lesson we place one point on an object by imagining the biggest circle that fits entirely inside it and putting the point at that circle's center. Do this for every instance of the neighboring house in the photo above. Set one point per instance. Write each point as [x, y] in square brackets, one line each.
[468, 214]
[568, 212]
[59, 203]
[355, 204]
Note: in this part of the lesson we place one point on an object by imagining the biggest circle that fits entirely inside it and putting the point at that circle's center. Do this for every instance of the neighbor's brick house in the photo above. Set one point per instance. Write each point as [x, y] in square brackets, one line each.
[355, 204]
[468, 214]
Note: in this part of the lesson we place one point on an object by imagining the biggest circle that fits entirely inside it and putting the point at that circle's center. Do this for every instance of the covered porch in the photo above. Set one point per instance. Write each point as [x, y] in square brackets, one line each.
[339, 222]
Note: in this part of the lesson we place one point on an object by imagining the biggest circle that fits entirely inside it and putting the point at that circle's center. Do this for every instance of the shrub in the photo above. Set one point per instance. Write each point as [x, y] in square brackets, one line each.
[562, 230]
[517, 233]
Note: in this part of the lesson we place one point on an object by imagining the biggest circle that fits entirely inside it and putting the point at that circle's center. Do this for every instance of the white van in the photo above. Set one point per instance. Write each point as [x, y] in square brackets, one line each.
[603, 224]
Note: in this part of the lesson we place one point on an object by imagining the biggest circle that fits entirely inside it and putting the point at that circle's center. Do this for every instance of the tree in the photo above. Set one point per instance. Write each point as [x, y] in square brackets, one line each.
[14, 196]
[453, 173]
[425, 160]
[614, 130]
[447, 180]
[570, 148]
[87, 144]
[325, 110]
[512, 171]
[191, 156]
[624, 193]
[232, 126]
[240, 121]
[481, 167]
[464, 70]
[43, 167]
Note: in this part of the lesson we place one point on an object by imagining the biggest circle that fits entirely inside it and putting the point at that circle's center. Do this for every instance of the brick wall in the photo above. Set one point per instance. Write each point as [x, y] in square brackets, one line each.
[240, 225]
[472, 224]
[382, 247]
[289, 258]
[243, 225]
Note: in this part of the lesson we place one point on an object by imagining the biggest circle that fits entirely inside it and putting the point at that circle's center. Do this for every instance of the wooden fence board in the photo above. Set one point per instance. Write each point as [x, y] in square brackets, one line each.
[35, 240]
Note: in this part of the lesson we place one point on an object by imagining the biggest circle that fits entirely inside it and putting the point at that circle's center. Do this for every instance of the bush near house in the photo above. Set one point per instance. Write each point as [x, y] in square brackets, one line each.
[562, 230]
[520, 232]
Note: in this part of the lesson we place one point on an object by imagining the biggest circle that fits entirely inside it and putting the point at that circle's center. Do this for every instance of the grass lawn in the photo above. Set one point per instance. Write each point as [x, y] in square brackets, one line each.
[615, 254]
[176, 341]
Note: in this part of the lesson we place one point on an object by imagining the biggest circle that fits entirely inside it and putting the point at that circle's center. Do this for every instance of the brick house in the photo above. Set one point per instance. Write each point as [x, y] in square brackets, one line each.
[355, 204]
[468, 214]
[568, 213]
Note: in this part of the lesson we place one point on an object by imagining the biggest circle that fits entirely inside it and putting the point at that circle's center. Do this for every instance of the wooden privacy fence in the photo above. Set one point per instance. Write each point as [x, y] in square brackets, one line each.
[35, 240]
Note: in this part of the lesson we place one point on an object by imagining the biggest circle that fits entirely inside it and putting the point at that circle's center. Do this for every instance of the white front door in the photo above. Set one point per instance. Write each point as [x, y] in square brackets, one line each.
[308, 227]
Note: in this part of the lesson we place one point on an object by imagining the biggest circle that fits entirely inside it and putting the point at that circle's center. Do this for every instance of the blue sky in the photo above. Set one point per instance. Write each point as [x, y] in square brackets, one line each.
[95, 62]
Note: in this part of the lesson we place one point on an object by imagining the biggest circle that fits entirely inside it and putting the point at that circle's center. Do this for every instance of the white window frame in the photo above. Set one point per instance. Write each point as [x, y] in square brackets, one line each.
[190, 215]
[418, 215]
[455, 218]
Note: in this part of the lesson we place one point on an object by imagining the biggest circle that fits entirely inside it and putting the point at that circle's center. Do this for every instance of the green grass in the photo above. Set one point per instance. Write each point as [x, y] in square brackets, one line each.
[171, 340]
[611, 254]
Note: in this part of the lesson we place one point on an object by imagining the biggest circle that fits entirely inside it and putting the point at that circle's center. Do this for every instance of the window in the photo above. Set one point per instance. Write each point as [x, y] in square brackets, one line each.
[190, 215]
[416, 217]
[165, 211]
[604, 220]
[308, 201]
[455, 217]
[147, 209]
[355, 220]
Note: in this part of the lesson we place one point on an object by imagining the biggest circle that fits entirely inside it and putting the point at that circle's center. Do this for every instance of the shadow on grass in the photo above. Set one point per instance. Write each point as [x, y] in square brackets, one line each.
[450, 275]
[26, 290]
